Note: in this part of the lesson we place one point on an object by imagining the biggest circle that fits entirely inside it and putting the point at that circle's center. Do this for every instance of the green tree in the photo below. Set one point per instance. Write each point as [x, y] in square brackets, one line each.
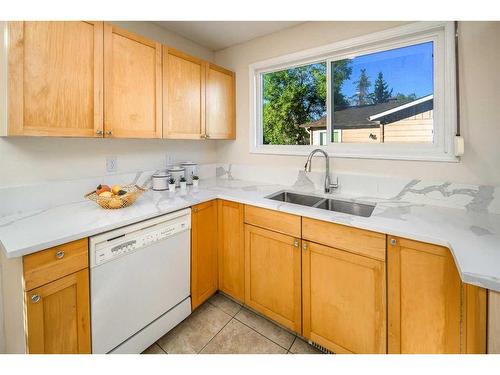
[291, 98]
[363, 84]
[381, 92]
[405, 98]
[341, 71]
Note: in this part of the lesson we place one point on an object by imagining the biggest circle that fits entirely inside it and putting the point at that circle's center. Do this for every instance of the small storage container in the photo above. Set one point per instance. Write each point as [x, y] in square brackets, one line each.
[191, 169]
[160, 180]
[176, 173]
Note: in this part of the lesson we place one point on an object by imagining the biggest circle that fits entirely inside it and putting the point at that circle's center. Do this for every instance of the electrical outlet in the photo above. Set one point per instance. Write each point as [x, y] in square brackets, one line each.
[111, 163]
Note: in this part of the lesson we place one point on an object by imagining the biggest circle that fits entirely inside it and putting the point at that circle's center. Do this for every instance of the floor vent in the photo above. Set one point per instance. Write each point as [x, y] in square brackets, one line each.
[320, 348]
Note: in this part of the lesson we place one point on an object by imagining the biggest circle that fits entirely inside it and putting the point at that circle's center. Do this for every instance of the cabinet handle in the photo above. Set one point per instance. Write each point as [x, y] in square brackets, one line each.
[35, 298]
[60, 254]
[203, 136]
[109, 132]
[304, 246]
[207, 136]
[296, 242]
[393, 242]
[99, 132]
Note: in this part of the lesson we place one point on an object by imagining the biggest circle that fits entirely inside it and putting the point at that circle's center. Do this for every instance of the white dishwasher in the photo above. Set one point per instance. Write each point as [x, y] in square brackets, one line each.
[139, 282]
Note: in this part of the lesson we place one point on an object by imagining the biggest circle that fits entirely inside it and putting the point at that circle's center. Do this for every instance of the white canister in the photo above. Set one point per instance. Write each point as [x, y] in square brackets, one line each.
[160, 180]
[191, 169]
[176, 173]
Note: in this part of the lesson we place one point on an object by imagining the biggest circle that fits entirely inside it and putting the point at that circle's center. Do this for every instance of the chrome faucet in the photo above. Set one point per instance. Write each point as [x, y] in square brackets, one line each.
[328, 185]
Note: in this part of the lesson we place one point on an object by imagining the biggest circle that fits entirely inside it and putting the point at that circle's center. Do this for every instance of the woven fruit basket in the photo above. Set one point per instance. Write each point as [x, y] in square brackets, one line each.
[127, 196]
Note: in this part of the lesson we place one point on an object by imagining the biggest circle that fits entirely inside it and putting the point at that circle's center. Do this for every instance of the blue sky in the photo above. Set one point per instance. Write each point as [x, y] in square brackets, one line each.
[407, 70]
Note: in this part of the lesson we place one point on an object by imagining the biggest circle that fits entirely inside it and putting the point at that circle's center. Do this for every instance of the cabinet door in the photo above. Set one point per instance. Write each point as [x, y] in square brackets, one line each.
[203, 252]
[132, 81]
[424, 293]
[58, 316]
[474, 320]
[55, 79]
[344, 300]
[220, 108]
[183, 95]
[272, 276]
[231, 249]
[493, 322]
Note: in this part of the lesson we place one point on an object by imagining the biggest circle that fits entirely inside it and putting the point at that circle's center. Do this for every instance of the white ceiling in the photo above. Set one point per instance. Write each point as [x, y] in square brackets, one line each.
[217, 35]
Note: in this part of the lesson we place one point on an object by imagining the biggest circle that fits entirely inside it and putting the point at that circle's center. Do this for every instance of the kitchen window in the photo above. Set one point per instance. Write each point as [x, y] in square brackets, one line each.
[388, 95]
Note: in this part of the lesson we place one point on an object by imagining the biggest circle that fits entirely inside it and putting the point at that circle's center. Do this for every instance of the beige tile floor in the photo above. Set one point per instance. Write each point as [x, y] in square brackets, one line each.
[222, 326]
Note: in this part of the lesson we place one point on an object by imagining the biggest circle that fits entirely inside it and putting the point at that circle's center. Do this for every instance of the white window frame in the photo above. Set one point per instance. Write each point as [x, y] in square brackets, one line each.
[442, 34]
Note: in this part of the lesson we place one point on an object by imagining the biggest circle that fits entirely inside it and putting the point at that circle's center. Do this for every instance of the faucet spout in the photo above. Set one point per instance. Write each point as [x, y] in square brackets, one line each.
[307, 167]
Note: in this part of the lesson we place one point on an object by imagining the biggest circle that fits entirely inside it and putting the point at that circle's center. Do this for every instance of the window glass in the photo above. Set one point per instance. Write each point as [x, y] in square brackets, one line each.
[383, 97]
[294, 105]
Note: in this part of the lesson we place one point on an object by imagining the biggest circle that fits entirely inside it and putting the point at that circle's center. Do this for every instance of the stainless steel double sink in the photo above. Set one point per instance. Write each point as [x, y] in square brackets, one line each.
[346, 207]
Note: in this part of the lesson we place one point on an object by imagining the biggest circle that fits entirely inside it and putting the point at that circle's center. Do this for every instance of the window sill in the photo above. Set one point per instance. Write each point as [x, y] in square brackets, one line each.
[306, 150]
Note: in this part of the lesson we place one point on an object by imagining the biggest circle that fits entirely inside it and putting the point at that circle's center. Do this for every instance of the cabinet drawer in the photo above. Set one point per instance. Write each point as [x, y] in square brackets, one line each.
[273, 220]
[357, 241]
[48, 265]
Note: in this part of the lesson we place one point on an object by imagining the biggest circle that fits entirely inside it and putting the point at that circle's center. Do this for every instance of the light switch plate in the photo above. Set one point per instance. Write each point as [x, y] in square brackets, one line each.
[169, 160]
[111, 163]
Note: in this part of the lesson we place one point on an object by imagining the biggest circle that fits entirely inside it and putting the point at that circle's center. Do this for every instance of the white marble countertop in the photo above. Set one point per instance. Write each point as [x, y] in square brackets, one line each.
[473, 237]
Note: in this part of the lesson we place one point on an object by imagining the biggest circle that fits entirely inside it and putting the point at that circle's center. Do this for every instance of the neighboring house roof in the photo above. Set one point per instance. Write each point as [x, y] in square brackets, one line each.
[372, 115]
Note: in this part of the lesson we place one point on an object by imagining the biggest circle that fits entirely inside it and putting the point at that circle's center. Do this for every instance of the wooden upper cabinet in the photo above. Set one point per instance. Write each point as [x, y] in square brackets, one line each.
[231, 247]
[55, 79]
[58, 316]
[183, 95]
[132, 81]
[424, 298]
[220, 103]
[343, 299]
[91, 79]
[273, 275]
[203, 252]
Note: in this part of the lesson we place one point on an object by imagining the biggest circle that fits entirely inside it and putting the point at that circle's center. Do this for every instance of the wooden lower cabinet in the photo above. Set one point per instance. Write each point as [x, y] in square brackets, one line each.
[58, 316]
[204, 272]
[429, 309]
[231, 249]
[273, 276]
[474, 320]
[343, 299]
[493, 322]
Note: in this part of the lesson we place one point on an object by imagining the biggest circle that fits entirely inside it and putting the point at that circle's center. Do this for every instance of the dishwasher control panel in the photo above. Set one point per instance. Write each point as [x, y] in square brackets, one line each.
[109, 249]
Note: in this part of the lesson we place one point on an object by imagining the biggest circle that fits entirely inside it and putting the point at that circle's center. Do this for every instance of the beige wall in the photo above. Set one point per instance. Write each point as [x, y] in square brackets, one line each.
[27, 160]
[480, 98]
[31, 160]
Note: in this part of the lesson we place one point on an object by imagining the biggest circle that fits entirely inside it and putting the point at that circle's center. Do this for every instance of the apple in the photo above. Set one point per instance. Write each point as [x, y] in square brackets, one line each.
[102, 188]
